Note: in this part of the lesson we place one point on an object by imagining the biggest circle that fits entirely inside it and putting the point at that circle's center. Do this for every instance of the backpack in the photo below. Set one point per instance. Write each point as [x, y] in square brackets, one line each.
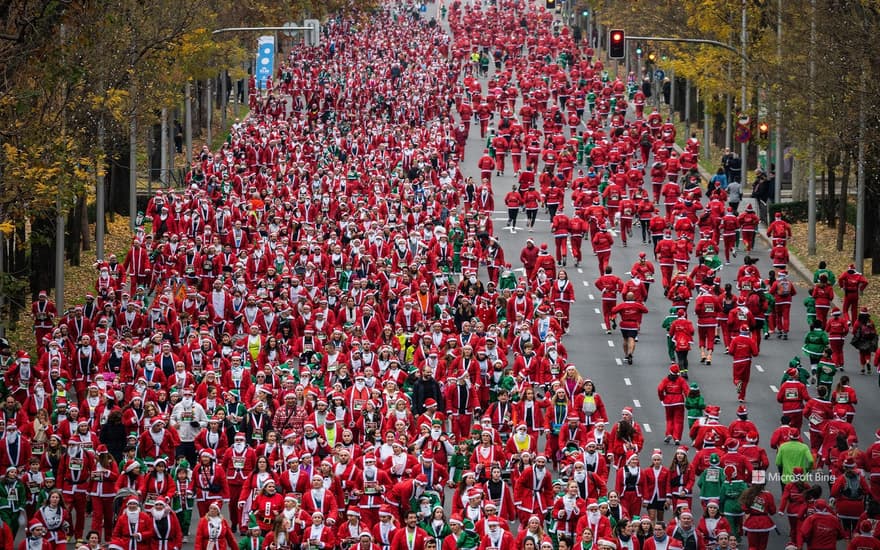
[784, 287]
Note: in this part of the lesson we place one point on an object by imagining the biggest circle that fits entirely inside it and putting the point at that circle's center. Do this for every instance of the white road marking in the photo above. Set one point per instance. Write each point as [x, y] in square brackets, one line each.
[759, 368]
[519, 269]
[610, 344]
[586, 283]
[618, 361]
[637, 403]
[807, 435]
[591, 297]
[774, 389]
[627, 381]
[581, 270]
[595, 309]
[647, 428]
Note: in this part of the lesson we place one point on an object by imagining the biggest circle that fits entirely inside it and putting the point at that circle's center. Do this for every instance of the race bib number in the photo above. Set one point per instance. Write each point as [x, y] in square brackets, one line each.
[713, 475]
[843, 397]
[76, 464]
[187, 416]
[792, 394]
[358, 404]
[816, 419]
[238, 462]
[38, 448]
[257, 436]
[371, 488]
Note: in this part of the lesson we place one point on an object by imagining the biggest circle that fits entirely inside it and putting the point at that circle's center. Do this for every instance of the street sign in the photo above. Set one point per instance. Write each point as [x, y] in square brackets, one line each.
[290, 34]
[659, 74]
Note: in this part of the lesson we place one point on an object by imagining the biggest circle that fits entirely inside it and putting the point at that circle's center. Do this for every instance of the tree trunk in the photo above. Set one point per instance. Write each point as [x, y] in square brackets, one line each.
[118, 176]
[42, 268]
[73, 234]
[84, 223]
[833, 160]
[841, 206]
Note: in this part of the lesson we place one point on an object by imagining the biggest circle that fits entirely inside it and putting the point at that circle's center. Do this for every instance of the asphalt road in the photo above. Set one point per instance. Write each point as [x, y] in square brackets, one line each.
[599, 356]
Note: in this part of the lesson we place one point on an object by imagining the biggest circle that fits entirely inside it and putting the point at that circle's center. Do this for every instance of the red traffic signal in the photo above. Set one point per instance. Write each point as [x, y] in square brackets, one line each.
[617, 44]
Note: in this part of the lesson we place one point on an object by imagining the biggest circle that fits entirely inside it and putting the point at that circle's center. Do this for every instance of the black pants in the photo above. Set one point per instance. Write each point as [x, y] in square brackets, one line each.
[646, 234]
[681, 357]
[531, 214]
[187, 449]
[551, 209]
[512, 213]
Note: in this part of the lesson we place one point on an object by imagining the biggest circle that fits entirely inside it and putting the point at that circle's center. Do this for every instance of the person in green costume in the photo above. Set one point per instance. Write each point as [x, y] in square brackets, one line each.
[810, 305]
[13, 497]
[729, 503]
[814, 346]
[711, 481]
[183, 502]
[825, 371]
[253, 539]
[823, 270]
[667, 322]
[462, 536]
[803, 375]
[436, 525]
[694, 404]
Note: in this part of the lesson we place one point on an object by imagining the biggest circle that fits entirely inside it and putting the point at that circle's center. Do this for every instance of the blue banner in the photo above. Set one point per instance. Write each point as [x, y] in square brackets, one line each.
[265, 60]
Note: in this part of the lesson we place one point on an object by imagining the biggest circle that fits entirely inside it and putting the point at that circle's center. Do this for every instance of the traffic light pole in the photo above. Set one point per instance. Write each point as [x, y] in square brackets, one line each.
[727, 47]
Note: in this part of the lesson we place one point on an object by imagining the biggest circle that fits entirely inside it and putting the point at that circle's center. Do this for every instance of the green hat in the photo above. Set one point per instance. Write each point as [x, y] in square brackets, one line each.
[602, 500]
[133, 434]
[252, 522]
[795, 362]
[437, 422]
[713, 459]
[695, 386]
[50, 475]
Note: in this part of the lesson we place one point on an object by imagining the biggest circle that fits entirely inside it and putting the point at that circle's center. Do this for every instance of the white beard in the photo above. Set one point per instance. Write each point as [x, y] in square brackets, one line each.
[593, 517]
[12, 437]
[239, 447]
[157, 514]
[580, 476]
[133, 517]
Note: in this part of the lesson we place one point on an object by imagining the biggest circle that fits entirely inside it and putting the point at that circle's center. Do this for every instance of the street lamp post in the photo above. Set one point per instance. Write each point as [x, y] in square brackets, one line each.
[744, 146]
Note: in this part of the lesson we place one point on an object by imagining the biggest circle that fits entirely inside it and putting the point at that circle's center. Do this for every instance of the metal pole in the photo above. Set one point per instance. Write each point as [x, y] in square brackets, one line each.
[811, 147]
[706, 129]
[687, 106]
[860, 177]
[132, 172]
[778, 153]
[59, 255]
[188, 122]
[163, 148]
[671, 94]
[223, 93]
[744, 147]
[99, 198]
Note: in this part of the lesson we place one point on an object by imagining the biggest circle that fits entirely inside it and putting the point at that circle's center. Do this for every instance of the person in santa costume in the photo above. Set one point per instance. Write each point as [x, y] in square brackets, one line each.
[167, 534]
[134, 528]
[56, 519]
[209, 483]
[318, 535]
[213, 531]
[36, 537]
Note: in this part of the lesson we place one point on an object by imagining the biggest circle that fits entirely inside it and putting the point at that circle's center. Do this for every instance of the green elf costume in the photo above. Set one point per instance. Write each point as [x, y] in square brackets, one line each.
[253, 540]
[694, 404]
[184, 501]
[13, 498]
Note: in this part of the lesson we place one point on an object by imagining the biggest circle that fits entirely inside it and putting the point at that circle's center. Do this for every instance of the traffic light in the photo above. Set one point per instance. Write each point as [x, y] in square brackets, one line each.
[763, 130]
[617, 44]
[585, 13]
[652, 57]
[639, 51]
[551, 4]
